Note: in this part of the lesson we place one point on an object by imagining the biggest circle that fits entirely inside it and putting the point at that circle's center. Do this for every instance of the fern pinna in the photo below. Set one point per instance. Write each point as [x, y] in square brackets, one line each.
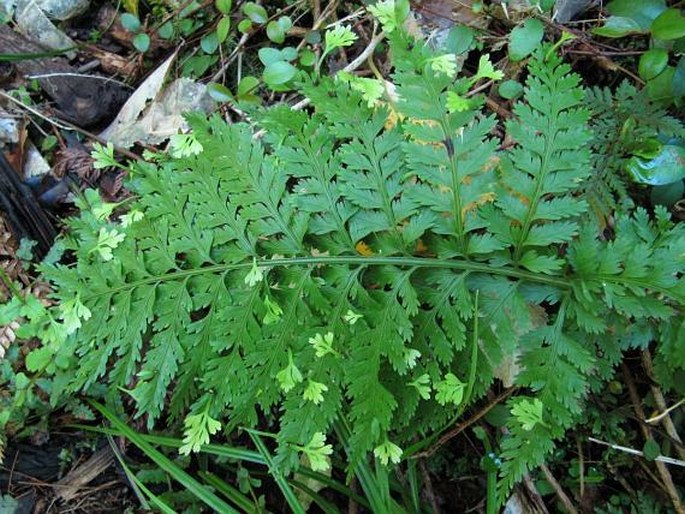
[377, 264]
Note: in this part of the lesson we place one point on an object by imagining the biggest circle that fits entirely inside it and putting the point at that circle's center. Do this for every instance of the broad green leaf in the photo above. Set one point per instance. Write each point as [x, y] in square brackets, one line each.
[669, 25]
[666, 167]
[668, 194]
[279, 72]
[219, 92]
[459, 39]
[652, 63]
[618, 26]
[525, 38]
[660, 88]
[642, 12]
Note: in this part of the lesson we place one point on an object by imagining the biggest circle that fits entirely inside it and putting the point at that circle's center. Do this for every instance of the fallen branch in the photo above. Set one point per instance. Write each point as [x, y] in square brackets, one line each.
[633, 451]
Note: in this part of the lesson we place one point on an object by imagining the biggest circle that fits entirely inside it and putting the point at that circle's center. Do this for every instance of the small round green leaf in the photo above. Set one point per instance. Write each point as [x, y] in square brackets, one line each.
[459, 39]
[141, 42]
[166, 31]
[285, 23]
[669, 25]
[269, 55]
[255, 12]
[652, 63]
[651, 449]
[246, 90]
[130, 22]
[275, 33]
[210, 43]
[289, 53]
[223, 6]
[313, 38]
[219, 92]
[525, 38]
[247, 85]
[278, 73]
[307, 58]
[617, 26]
[244, 26]
[510, 89]
[222, 29]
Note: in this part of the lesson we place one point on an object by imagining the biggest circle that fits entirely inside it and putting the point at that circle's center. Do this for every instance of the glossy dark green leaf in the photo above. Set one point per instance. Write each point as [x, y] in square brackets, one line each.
[668, 194]
[643, 12]
[652, 63]
[669, 25]
[660, 88]
[666, 167]
[618, 26]
[525, 38]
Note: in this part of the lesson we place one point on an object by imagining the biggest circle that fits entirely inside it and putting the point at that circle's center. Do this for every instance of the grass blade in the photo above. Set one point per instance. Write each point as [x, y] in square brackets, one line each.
[196, 488]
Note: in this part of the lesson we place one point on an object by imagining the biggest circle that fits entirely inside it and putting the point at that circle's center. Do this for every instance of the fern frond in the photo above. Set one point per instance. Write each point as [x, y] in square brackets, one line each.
[327, 274]
[545, 167]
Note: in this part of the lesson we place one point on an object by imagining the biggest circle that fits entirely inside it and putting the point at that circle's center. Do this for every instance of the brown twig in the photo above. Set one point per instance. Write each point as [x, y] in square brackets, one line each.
[665, 475]
[463, 426]
[428, 487]
[558, 490]
[661, 403]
